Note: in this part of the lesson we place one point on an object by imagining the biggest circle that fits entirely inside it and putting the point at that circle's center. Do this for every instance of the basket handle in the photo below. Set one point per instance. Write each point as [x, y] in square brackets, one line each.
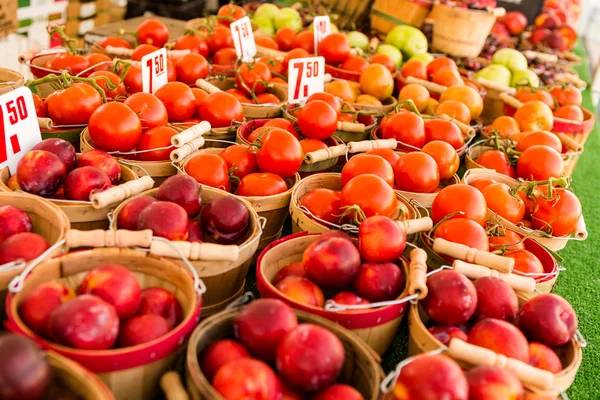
[117, 194]
[466, 130]
[347, 126]
[499, 12]
[102, 238]
[530, 376]
[553, 58]
[325, 154]
[352, 147]
[569, 142]
[207, 86]
[491, 85]
[580, 231]
[171, 385]
[474, 271]
[195, 251]
[119, 51]
[191, 133]
[472, 255]
[181, 153]
[510, 100]
[417, 282]
[262, 51]
[29, 54]
[367, 145]
[45, 123]
[411, 226]
[431, 86]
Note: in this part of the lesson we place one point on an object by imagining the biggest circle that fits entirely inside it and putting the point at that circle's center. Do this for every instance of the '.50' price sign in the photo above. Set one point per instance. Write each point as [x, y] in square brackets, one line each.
[154, 71]
[305, 77]
[19, 129]
[243, 39]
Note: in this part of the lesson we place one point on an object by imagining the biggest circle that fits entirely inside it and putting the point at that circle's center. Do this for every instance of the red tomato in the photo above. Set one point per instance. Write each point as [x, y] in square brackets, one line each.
[102, 61]
[570, 112]
[241, 96]
[73, 105]
[355, 63]
[275, 66]
[323, 204]
[200, 95]
[219, 39]
[439, 64]
[539, 138]
[119, 91]
[258, 133]
[115, 127]
[481, 184]
[415, 68]
[508, 240]
[253, 77]
[527, 94]
[267, 41]
[221, 110]
[335, 47]
[280, 153]
[293, 54]
[557, 216]
[114, 42]
[317, 120]
[499, 199]
[156, 138]
[41, 109]
[445, 157]
[567, 95]
[191, 67]
[462, 198]
[226, 56]
[241, 159]
[539, 163]
[367, 164]
[498, 161]
[171, 71]
[267, 98]
[210, 170]
[141, 51]
[525, 261]
[446, 131]
[193, 43]
[447, 77]
[286, 38]
[405, 127]
[310, 145]
[463, 231]
[305, 40]
[261, 184]
[72, 63]
[229, 13]
[328, 98]
[150, 110]
[391, 156]
[417, 172]
[384, 60]
[371, 194]
[179, 100]
[153, 32]
[283, 124]
[133, 79]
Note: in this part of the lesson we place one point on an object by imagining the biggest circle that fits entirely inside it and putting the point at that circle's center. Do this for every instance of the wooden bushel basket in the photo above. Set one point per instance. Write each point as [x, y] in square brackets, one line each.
[10, 80]
[388, 105]
[377, 326]
[350, 13]
[224, 280]
[386, 14]
[421, 340]
[131, 373]
[462, 32]
[361, 369]
[77, 379]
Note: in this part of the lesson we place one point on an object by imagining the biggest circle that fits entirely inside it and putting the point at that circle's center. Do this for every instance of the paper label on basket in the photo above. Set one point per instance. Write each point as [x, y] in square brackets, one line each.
[19, 129]
[243, 39]
[154, 71]
[305, 77]
[322, 28]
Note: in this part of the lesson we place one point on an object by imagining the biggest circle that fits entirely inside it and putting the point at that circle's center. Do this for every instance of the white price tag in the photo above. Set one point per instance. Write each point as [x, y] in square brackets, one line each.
[305, 77]
[321, 28]
[243, 39]
[154, 71]
[19, 129]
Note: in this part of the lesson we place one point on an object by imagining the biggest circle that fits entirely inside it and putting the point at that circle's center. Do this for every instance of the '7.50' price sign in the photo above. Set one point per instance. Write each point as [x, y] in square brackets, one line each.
[19, 129]
[154, 71]
[305, 77]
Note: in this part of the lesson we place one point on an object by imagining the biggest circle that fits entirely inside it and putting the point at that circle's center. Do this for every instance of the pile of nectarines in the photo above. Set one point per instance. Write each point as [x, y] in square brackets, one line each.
[17, 241]
[110, 309]
[308, 358]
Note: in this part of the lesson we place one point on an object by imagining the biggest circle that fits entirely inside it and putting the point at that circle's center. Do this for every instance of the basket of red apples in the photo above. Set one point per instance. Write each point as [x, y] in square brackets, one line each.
[327, 201]
[84, 186]
[488, 313]
[121, 313]
[181, 210]
[27, 372]
[369, 297]
[29, 225]
[267, 350]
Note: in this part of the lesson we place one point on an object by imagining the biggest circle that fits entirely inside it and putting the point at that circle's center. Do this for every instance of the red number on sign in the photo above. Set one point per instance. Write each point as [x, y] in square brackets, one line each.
[16, 112]
[149, 65]
[237, 29]
[159, 64]
[322, 26]
[300, 68]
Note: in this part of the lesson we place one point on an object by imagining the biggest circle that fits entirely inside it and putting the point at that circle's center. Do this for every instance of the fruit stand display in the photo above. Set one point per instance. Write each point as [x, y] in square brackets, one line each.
[407, 186]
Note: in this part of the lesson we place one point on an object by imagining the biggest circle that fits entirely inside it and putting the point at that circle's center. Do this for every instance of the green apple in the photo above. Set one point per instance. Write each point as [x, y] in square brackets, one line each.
[288, 17]
[265, 24]
[495, 73]
[511, 59]
[525, 77]
[358, 39]
[408, 39]
[423, 57]
[266, 10]
[392, 52]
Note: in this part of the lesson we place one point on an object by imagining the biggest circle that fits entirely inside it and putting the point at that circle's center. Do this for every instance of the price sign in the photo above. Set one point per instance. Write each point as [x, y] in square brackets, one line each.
[305, 77]
[154, 71]
[19, 129]
[243, 39]
[322, 28]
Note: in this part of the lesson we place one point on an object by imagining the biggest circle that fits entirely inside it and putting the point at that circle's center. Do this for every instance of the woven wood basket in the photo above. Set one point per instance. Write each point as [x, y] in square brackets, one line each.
[386, 14]
[348, 14]
[10, 80]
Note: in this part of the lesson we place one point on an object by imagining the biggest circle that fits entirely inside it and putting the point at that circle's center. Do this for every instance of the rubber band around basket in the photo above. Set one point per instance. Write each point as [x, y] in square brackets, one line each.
[346, 227]
[16, 264]
[199, 285]
[332, 306]
[18, 282]
[245, 298]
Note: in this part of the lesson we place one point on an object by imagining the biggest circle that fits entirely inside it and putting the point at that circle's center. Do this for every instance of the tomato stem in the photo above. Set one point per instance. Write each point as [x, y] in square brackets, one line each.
[65, 80]
[69, 41]
[356, 214]
[446, 218]
[411, 105]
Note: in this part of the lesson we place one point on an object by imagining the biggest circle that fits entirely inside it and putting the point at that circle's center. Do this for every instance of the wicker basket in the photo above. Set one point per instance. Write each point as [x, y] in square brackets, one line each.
[361, 369]
[386, 14]
[131, 373]
[377, 326]
[461, 32]
[224, 280]
[10, 80]
[348, 14]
